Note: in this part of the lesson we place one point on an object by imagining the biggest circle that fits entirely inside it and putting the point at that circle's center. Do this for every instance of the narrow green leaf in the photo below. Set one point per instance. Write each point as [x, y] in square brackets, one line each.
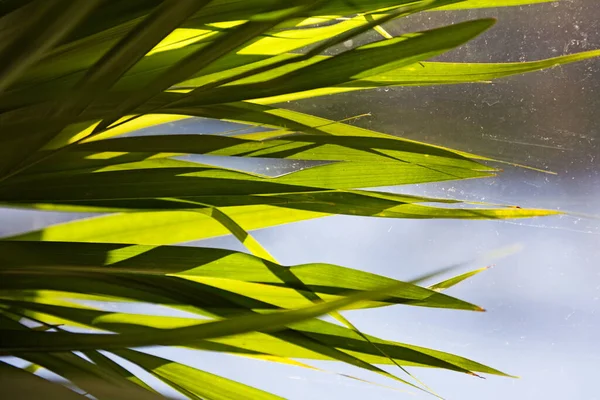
[127, 52]
[107, 364]
[469, 4]
[45, 24]
[240, 273]
[281, 344]
[62, 341]
[359, 63]
[325, 11]
[296, 147]
[196, 61]
[358, 203]
[259, 72]
[200, 384]
[96, 380]
[17, 383]
[168, 227]
[437, 73]
[407, 355]
[448, 283]
[240, 233]
[70, 62]
[296, 337]
[139, 41]
[10, 321]
[107, 71]
[290, 279]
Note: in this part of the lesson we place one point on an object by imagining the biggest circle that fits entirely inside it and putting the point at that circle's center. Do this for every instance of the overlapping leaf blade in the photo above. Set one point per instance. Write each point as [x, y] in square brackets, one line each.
[192, 381]
[284, 344]
[16, 382]
[433, 73]
[355, 64]
[26, 341]
[226, 271]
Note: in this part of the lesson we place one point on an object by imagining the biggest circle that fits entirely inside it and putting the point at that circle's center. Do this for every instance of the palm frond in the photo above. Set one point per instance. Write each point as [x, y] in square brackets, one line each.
[71, 92]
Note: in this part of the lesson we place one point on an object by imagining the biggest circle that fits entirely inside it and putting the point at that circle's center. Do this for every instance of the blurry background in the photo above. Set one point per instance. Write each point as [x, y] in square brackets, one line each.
[543, 319]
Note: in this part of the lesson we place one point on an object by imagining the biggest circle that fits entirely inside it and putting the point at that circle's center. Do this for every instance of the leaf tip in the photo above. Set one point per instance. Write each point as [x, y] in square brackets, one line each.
[489, 22]
[475, 375]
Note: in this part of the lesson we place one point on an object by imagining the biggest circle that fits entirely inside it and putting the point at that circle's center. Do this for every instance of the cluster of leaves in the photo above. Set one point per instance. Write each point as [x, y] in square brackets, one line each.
[79, 75]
